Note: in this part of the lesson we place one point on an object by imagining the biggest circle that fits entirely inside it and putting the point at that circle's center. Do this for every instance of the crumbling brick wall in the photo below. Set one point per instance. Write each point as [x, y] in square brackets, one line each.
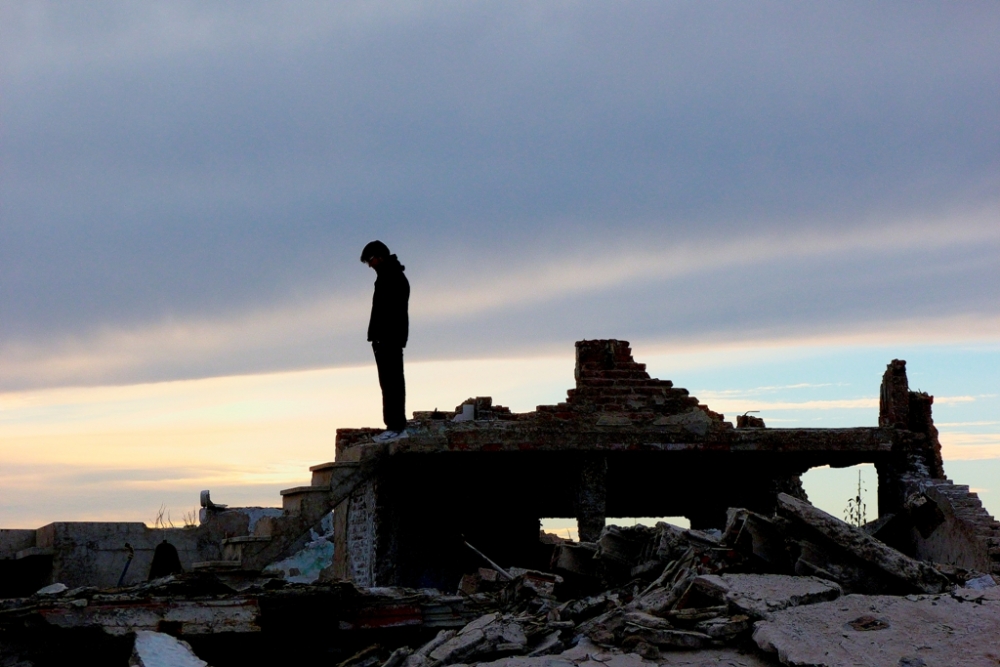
[356, 536]
[608, 379]
[947, 523]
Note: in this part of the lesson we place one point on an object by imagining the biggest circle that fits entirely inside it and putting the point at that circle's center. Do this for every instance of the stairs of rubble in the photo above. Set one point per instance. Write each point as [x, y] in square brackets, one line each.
[303, 507]
[969, 509]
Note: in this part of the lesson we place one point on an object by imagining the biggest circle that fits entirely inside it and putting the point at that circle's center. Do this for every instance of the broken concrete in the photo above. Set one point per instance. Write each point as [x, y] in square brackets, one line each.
[702, 607]
[849, 555]
[886, 631]
[586, 654]
[155, 649]
[488, 635]
[759, 595]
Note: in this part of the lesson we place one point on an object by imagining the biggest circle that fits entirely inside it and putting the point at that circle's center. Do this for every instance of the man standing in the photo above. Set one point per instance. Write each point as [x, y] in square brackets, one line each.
[388, 329]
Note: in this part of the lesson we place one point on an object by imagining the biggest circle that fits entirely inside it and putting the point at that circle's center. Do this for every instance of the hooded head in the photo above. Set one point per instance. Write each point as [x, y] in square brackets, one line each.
[376, 255]
[374, 249]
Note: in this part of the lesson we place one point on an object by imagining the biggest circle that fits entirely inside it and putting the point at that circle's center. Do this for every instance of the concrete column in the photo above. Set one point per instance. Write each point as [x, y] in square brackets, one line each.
[355, 536]
[592, 498]
[921, 421]
[341, 555]
[890, 488]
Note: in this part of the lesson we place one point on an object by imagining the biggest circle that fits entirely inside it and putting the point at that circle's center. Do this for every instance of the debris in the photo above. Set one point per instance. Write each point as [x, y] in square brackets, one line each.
[486, 558]
[542, 584]
[672, 639]
[853, 558]
[747, 420]
[758, 595]
[425, 650]
[550, 644]
[725, 628]
[156, 649]
[691, 615]
[206, 501]
[469, 584]
[306, 565]
[623, 546]
[981, 583]
[367, 657]
[642, 620]
[398, 657]
[52, 589]
[884, 631]
[758, 538]
[491, 634]
[576, 559]
[660, 600]
[689, 599]
[586, 608]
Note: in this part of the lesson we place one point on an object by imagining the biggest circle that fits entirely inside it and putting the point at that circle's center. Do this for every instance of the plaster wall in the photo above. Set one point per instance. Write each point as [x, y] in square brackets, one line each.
[94, 553]
[13, 540]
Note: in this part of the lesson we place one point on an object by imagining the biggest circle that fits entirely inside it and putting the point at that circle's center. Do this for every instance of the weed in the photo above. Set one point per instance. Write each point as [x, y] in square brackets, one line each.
[160, 522]
[856, 511]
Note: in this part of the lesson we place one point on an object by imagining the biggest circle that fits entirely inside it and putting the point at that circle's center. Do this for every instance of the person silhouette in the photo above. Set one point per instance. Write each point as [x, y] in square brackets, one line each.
[388, 330]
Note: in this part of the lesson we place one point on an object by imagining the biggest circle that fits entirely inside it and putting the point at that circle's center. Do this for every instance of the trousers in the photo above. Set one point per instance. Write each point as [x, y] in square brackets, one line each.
[389, 359]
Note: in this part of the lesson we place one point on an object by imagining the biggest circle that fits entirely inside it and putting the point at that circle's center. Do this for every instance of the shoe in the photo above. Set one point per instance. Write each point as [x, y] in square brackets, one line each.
[386, 436]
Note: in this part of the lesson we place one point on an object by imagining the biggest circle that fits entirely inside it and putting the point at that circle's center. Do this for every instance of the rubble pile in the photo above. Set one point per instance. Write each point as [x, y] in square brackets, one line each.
[669, 595]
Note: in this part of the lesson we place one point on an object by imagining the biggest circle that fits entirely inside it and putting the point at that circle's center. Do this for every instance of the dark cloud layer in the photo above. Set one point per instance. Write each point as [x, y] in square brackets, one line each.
[178, 163]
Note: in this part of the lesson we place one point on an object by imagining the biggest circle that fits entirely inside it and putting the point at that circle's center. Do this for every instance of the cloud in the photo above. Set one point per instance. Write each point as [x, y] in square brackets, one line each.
[119, 452]
[728, 402]
[766, 390]
[945, 400]
[958, 424]
[734, 404]
[28, 477]
[958, 446]
[534, 307]
[186, 187]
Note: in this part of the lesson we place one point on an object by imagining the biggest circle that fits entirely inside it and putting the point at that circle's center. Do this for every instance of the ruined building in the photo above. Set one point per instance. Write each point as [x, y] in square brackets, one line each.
[622, 444]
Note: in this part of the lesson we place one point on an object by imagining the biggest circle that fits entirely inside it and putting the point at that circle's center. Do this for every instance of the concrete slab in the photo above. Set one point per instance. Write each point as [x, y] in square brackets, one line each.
[907, 574]
[155, 649]
[758, 595]
[587, 654]
[886, 631]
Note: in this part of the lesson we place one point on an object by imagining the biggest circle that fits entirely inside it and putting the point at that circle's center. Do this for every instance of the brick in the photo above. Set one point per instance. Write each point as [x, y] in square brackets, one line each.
[596, 382]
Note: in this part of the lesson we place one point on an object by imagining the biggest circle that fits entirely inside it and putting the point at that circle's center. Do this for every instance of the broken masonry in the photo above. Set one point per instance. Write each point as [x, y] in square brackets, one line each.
[621, 444]
[456, 507]
[663, 589]
[626, 445]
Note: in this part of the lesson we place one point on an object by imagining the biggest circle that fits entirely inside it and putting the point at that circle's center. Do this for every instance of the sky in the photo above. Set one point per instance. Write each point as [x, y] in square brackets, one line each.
[770, 200]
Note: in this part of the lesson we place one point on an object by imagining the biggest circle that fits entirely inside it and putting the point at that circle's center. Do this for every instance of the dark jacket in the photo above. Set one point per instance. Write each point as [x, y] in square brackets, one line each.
[390, 322]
